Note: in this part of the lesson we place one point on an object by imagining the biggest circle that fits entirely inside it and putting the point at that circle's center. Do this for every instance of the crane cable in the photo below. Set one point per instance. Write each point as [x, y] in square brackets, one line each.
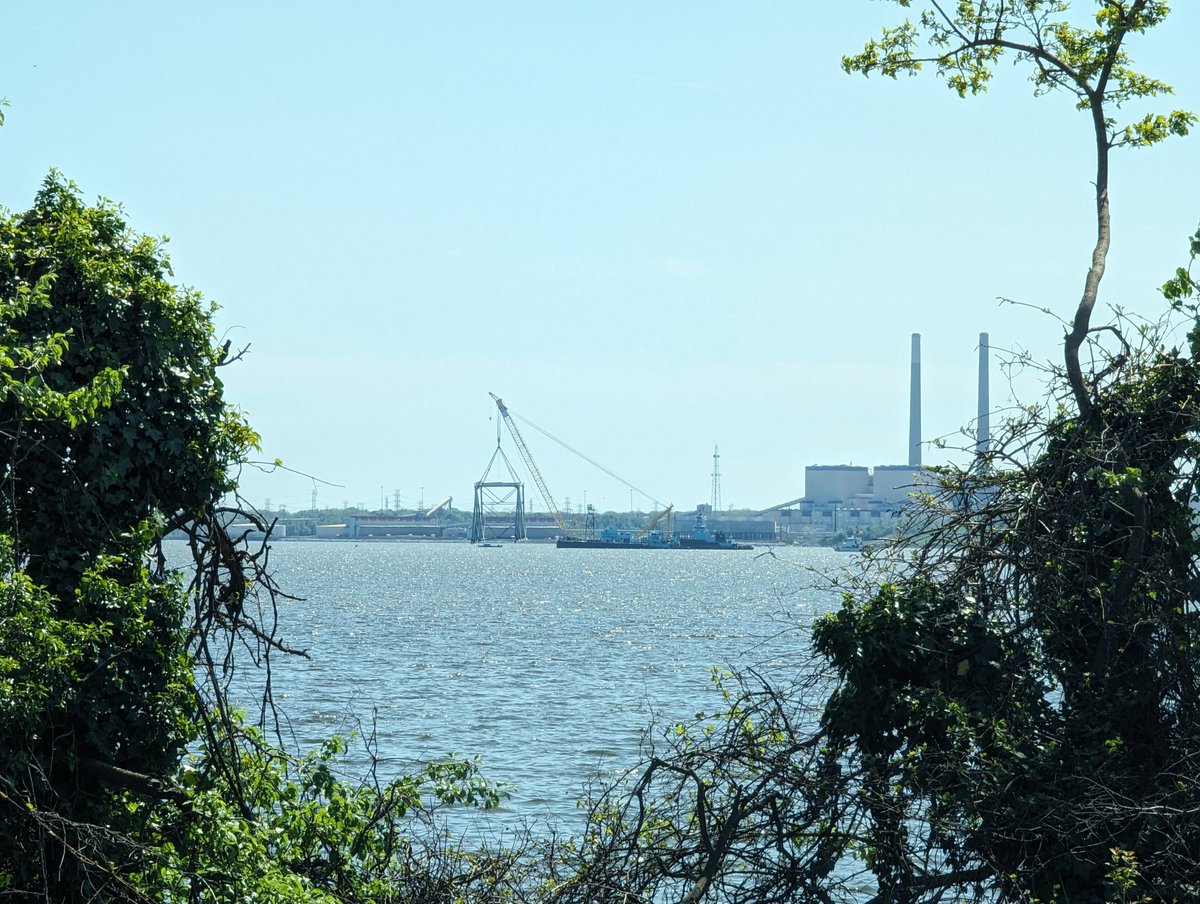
[590, 461]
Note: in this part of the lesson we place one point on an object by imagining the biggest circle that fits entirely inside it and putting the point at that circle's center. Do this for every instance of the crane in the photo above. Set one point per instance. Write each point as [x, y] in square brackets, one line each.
[650, 525]
[533, 469]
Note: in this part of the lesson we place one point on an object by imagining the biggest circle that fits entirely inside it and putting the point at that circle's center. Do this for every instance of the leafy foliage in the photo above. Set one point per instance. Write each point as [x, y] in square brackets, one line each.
[1006, 705]
[112, 667]
[1026, 703]
[102, 440]
[965, 42]
[155, 436]
[296, 831]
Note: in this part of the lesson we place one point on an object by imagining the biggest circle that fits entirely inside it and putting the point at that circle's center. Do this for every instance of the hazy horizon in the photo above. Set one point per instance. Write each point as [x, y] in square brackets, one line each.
[651, 230]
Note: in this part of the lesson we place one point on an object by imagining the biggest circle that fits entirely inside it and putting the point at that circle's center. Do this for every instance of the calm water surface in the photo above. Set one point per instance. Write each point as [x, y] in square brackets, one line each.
[549, 664]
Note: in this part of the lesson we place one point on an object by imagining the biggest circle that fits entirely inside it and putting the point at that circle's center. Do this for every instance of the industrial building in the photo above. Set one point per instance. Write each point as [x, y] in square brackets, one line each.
[850, 498]
[842, 498]
[838, 499]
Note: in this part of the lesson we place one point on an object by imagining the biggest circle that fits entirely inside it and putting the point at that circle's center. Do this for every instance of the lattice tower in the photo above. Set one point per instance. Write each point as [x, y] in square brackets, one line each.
[716, 478]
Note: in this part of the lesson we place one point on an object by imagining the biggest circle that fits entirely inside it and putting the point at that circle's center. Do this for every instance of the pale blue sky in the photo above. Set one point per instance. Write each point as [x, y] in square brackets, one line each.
[651, 228]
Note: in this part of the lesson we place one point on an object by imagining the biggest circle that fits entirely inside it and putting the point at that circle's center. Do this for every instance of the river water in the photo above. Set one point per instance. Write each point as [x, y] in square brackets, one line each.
[551, 665]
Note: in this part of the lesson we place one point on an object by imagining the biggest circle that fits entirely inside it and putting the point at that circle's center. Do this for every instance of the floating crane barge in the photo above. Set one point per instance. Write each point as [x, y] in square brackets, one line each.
[647, 538]
[700, 538]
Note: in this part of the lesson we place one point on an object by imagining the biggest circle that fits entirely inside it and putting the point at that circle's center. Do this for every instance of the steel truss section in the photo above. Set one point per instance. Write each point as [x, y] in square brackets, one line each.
[499, 511]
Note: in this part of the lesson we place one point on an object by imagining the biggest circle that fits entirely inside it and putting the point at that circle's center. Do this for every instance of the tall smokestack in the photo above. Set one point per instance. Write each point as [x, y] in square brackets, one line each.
[914, 405]
[983, 421]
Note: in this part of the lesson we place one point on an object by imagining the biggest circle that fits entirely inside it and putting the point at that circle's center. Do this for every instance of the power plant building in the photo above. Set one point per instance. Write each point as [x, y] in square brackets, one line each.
[854, 497]
[894, 485]
[835, 483]
[886, 486]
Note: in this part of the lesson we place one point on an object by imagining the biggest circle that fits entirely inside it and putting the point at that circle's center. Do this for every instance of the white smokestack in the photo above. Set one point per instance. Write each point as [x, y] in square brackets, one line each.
[983, 421]
[914, 405]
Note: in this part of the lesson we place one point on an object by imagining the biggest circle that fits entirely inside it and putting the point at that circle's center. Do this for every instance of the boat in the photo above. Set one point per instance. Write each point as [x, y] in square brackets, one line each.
[649, 537]
[612, 539]
[851, 544]
[703, 538]
[609, 538]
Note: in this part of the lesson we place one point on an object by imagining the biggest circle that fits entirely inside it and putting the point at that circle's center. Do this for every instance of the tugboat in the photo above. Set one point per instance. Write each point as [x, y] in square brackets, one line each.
[703, 538]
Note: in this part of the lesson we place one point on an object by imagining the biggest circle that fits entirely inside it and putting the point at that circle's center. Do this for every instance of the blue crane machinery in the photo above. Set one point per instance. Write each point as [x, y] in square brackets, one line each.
[529, 463]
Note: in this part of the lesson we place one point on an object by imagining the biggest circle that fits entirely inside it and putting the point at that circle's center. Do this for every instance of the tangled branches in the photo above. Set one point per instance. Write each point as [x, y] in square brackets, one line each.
[1004, 707]
[743, 806]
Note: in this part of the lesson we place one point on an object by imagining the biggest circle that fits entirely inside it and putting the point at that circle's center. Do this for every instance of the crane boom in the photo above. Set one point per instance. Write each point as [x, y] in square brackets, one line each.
[650, 525]
[533, 469]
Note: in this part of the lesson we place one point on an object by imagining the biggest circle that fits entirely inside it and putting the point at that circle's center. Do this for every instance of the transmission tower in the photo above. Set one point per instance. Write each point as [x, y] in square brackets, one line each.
[716, 487]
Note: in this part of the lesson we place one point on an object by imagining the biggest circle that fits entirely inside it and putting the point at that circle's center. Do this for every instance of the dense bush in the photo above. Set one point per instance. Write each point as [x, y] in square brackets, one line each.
[113, 667]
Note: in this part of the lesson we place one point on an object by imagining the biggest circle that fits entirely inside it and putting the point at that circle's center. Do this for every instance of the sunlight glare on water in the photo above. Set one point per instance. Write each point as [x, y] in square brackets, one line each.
[549, 664]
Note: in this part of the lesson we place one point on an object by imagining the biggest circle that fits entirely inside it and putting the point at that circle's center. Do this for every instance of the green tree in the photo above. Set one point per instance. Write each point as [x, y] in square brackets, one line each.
[964, 42]
[113, 421]
[164, 443]
[1006, 705]
[125, 772]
